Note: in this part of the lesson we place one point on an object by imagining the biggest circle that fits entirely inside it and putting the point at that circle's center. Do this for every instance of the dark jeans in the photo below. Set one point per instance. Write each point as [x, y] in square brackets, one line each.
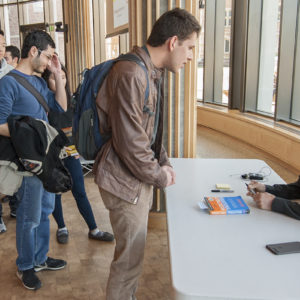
[13, 203]
[78, 191]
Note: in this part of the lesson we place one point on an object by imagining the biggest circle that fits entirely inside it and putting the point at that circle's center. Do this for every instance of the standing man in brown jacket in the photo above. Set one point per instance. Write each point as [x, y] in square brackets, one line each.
[134, 160]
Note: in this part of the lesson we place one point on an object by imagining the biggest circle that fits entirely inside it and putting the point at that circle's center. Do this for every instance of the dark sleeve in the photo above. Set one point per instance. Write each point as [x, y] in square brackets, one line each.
[288, 191]
[286, 207]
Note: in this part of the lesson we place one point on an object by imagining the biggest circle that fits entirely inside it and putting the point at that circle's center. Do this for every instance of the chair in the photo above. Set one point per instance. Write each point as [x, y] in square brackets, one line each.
[87, 165]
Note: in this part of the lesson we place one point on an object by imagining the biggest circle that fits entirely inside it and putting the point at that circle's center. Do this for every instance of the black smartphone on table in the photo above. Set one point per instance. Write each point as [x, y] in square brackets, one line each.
[284, 248]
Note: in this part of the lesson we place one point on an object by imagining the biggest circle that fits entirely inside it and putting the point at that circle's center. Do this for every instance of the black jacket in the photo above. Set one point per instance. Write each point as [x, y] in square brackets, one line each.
[37, 146]
[8, 155]
[284, 193]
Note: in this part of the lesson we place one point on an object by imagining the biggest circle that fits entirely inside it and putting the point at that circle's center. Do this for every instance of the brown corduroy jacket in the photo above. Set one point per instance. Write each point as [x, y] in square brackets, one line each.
[128, 159]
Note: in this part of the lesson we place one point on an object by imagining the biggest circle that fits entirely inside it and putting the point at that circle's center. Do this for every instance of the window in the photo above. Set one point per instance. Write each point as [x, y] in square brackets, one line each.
[201, 53]
[226, 46]
[214, 65]
[112, 47]
[19, 17]
[11, 19]
[268, 58]
[227, 17]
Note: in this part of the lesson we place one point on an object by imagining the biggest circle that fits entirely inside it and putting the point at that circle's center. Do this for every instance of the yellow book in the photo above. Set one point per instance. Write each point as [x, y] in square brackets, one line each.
[223, 186]
[71, 150]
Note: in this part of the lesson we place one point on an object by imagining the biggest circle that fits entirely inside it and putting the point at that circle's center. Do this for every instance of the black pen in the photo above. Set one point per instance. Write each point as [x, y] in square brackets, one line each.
[222, 191]
[252, 191]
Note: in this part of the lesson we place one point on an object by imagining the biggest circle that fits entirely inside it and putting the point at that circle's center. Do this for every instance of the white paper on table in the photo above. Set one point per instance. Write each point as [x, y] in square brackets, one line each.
[202, 205]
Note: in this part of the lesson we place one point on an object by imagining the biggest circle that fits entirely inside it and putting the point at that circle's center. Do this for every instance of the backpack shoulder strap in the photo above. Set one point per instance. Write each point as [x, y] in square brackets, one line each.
[136, 59]
[30, 88]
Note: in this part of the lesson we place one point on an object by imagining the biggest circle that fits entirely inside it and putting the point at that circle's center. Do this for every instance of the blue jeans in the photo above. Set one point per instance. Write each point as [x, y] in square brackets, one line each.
[78, 191]
[33, 226]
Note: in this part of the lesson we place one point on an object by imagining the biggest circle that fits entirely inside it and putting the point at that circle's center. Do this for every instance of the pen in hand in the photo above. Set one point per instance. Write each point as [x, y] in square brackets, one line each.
[252, 191]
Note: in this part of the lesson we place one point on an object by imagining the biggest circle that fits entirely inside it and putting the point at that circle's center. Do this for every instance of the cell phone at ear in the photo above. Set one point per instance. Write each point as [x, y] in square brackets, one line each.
[284, 248]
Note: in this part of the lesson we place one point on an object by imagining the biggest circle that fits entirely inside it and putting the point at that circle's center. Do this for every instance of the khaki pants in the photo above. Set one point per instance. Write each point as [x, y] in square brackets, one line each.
[129, 223]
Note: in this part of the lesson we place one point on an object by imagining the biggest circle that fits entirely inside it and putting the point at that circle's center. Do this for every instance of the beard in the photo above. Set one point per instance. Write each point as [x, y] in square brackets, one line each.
[37, 66]
[38, 70]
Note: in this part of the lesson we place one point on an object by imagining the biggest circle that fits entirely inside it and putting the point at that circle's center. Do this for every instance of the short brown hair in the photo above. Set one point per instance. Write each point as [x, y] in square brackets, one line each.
[177, 22]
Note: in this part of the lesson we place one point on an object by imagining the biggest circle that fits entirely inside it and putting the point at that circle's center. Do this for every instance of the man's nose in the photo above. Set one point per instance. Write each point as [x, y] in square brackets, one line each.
[191, 55]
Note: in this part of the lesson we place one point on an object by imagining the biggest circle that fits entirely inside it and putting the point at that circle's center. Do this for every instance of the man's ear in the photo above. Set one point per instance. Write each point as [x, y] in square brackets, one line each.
[15, 60]
[172, 42]
[33, 51]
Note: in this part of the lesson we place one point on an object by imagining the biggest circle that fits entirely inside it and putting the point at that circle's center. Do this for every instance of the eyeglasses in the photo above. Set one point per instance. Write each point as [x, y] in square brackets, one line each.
[48, 56]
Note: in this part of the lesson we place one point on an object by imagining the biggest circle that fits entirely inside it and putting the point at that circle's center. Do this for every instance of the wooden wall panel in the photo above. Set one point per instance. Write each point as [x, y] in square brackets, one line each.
[149, 17]
[170, 105]
[99, 31]
[177, 115]
[270, 138]
[135, 23]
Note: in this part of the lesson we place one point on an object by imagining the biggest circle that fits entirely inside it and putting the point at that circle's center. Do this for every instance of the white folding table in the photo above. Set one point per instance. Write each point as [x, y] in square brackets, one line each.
[224, 256]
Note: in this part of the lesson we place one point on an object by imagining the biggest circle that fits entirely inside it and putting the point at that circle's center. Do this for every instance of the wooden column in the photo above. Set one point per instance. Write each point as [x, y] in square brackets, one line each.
[78, 46]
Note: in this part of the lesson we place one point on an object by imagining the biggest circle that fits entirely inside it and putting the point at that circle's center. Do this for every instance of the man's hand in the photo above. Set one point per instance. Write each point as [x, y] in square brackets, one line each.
[263, 200]
[256, 186]
[171, 175]
[60, 93]
[55, 66]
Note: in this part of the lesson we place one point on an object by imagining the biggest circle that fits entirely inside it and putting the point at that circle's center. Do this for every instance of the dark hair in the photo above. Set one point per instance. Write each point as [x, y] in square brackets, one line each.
[177, 22]
[38, 38]
[46, 76]
[15, 52]
[1, 32]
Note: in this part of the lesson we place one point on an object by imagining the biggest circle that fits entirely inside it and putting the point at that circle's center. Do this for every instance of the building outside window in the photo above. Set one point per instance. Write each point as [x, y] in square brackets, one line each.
[20, 17]
[214, 52]
[112, 47]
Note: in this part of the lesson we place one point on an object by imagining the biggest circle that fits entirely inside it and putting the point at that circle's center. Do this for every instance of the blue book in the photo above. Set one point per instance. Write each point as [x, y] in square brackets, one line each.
[226, 205]
[235, 205]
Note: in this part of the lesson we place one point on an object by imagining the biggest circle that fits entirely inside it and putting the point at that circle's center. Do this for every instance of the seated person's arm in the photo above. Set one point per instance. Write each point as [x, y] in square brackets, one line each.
[288, 191]
[286, 207]
[268, 201]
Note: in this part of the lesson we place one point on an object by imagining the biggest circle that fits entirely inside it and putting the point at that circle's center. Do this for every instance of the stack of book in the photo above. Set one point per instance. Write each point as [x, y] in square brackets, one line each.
[226, 205]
